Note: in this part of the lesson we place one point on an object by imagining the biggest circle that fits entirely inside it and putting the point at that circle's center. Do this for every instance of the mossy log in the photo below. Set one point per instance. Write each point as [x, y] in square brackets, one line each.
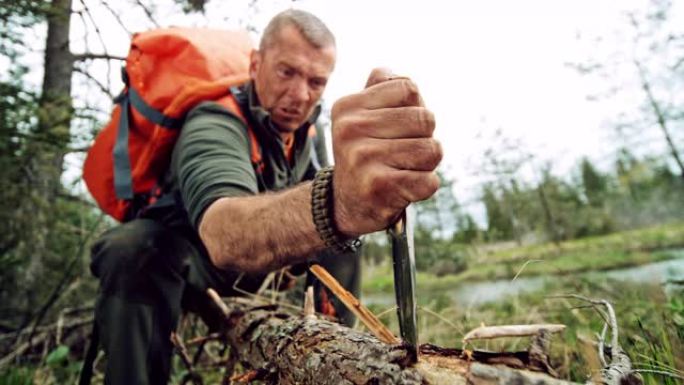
[285, 348]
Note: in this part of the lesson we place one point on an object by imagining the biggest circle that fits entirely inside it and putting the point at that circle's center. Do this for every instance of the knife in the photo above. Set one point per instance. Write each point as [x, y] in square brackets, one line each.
[404, 263]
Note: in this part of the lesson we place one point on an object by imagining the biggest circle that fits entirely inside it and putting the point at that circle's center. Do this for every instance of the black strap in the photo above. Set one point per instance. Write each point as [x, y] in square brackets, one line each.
[123, 181]
[89, 360]
[152, 114]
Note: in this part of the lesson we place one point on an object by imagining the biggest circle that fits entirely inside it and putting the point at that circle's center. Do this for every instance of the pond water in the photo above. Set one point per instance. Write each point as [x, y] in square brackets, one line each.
[475, 293]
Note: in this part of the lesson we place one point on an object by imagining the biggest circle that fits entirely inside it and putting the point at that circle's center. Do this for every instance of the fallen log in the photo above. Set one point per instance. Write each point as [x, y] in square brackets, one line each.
[277, 346]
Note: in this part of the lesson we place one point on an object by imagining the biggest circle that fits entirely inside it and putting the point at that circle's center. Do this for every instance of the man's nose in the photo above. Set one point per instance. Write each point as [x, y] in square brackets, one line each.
[299, 90]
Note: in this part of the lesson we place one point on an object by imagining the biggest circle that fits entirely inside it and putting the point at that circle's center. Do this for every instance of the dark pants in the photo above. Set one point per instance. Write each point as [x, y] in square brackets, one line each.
[149, 273]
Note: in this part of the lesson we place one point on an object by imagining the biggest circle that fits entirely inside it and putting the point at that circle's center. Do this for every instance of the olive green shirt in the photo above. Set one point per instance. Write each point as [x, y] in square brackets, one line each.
[211, 158]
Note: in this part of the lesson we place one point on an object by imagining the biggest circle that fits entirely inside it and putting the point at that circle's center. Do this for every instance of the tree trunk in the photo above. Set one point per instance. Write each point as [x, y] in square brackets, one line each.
[285, 349]
[661, 119]
[48, 147]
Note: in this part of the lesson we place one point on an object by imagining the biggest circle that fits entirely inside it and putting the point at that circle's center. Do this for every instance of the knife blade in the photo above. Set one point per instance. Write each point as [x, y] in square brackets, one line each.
[404, 266]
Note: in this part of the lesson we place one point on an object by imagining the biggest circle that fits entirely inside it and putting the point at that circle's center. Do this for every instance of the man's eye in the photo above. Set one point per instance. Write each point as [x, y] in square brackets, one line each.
[286, 72]
[317, 83]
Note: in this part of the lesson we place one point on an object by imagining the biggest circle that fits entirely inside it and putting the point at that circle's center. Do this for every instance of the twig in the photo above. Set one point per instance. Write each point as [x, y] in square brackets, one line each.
[116, 17]
[91, 55]
[612, 320]
[148, 13]
[185, 357]
[21, 349]
[355, 306]
[258, 296]
[309, 311]
[229, 368]
[218, 301]
[67, 325]
[203, 339]
[99, 36]
[619, 369]
[490, 332]
[601, 348]
[90, 77]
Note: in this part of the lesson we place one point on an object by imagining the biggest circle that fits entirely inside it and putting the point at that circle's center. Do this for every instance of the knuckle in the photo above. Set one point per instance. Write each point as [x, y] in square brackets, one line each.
[426, 120]
[436, 153]
[341, 106]
[342, 129]
[430, 151]
[410, 91]
[432, 184]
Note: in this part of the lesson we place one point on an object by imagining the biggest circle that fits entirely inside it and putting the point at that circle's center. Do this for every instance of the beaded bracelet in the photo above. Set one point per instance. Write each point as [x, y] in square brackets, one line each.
[323, 213]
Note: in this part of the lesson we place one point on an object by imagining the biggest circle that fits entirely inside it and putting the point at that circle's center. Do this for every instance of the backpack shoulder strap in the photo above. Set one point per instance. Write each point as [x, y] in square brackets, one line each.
[255, 152]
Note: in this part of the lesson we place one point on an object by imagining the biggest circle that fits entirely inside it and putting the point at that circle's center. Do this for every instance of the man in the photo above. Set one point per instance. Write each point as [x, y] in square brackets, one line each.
[227, 225]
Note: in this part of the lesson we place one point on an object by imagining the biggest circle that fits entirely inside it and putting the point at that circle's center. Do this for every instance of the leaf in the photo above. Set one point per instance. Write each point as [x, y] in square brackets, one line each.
[58, 355]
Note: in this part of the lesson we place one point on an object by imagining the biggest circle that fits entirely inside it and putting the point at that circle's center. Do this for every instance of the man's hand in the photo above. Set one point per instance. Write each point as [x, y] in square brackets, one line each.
[385, 155]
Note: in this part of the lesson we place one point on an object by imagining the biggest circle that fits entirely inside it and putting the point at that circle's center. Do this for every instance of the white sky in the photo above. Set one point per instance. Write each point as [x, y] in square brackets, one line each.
[481, 65]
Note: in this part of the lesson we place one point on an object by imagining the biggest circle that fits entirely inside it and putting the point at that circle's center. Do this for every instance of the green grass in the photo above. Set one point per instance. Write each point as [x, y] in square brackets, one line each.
[650, 319]
[651, 324]
[618, 250]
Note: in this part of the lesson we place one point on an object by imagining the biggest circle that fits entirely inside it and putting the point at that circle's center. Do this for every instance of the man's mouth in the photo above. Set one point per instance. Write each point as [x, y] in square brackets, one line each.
[290, 112]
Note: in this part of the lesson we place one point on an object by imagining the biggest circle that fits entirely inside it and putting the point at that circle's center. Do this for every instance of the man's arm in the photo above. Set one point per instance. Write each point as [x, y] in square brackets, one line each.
[385, 159]
[262, 232]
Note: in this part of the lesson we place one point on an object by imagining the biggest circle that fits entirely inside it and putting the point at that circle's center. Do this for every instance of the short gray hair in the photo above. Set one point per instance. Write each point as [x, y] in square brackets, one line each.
[311, 27]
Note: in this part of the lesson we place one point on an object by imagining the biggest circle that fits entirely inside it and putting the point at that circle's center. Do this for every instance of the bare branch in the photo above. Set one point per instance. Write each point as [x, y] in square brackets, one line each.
[490, 332]
[612, 320]
[99, 36]
[92, 56]
[148, 13]
[116, 17]
[660, 116]
[90, 77]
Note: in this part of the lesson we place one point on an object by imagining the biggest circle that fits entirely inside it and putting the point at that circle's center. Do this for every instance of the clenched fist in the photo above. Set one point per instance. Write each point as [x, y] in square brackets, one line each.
[385, 155]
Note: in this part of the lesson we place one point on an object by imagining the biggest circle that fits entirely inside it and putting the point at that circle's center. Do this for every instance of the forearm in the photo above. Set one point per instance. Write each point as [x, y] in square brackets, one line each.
[261, 233]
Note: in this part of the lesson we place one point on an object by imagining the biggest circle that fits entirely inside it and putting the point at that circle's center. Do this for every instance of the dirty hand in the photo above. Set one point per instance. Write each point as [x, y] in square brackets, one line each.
[385, 155]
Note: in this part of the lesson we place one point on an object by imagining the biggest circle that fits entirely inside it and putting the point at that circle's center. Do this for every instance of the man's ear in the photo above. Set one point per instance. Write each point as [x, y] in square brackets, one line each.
[254, 63]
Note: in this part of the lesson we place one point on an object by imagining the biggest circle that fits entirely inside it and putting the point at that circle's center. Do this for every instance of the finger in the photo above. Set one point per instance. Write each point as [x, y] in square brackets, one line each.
[404, 154]
[379, 75]
[389, 123]
[412, 154]
[397, 92]
[415, 186]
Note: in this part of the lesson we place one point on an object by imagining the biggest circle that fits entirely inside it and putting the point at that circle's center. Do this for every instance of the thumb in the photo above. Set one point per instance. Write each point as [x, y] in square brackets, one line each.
[379, 75]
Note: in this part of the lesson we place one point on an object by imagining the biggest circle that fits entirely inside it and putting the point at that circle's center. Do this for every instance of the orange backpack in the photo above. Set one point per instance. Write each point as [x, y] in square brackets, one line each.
[168, 71]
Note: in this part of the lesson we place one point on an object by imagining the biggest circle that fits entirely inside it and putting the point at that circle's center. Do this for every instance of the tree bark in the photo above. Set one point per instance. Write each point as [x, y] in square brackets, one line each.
[288, 349]
[50, 144]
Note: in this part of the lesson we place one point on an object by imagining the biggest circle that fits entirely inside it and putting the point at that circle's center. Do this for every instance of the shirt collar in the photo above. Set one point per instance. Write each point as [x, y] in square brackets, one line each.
[262, 118]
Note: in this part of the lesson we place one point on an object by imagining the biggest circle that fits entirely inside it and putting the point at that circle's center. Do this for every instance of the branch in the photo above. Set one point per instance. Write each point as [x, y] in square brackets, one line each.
[116, 17]
[619, 371]
[90, 77]
[490, 332]
[99, 36]
[90, 56]
[148, 13]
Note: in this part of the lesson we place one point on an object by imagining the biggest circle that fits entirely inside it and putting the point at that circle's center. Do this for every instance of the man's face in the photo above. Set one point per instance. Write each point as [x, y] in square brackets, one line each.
[290, 77]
